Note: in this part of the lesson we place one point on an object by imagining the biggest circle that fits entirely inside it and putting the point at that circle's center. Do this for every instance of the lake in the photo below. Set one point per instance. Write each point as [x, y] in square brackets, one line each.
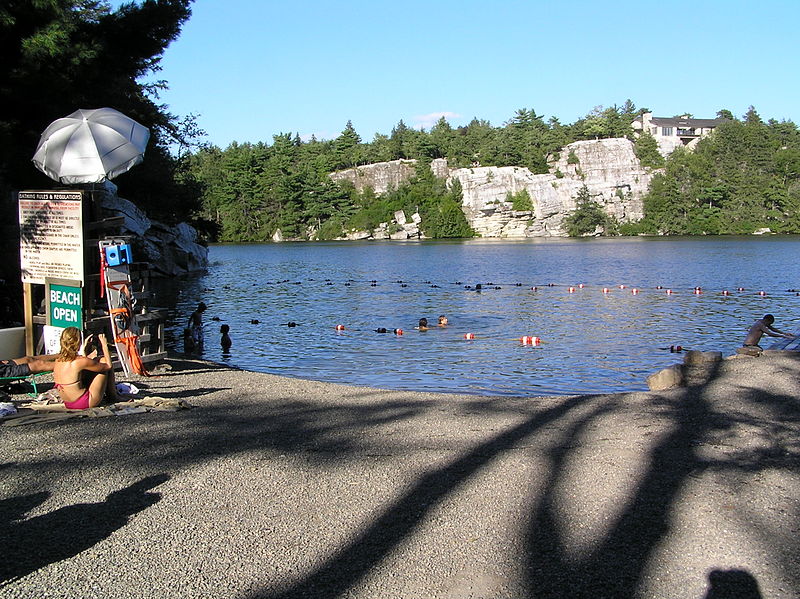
[597, 334]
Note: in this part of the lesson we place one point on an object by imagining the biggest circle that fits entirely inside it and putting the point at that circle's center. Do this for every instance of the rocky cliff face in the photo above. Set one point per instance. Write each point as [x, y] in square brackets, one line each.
[608, 168]
[381, 176]
[170, 250]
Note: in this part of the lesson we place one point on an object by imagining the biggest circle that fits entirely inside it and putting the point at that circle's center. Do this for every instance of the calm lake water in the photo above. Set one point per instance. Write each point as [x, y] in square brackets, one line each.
[592, 342]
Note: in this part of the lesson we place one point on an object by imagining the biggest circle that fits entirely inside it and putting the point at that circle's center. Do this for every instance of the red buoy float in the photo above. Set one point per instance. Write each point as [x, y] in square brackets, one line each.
[340, 327]
[469, 335]
[528, 340]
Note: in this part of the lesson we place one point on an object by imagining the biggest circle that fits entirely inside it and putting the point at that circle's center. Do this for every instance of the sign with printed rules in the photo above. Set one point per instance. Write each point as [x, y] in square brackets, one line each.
[51, 235]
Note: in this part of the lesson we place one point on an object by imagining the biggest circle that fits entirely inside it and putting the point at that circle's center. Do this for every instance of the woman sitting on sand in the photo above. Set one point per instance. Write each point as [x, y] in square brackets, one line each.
[69, 368]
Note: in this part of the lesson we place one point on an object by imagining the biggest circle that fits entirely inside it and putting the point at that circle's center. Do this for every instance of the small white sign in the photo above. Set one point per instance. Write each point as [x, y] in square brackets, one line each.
[52, 339]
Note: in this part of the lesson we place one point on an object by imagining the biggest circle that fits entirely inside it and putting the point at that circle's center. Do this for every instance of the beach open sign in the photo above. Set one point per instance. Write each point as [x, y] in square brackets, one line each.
[64, 303]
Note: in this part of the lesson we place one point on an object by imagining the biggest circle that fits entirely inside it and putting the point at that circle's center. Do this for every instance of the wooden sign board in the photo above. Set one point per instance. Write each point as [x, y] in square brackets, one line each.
[51, 235]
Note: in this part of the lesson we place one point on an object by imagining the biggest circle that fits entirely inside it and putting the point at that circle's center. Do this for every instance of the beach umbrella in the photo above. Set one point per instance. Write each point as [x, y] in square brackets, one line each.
[90, 146]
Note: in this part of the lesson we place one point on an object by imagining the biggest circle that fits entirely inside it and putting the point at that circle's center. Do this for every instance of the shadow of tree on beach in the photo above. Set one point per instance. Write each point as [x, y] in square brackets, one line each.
[30, 544]
[370, 423]
[616, 564]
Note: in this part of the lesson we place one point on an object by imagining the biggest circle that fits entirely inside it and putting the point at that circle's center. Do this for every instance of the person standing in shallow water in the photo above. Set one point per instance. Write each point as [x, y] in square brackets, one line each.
[226, 340]
[761, 327]
[196, 326]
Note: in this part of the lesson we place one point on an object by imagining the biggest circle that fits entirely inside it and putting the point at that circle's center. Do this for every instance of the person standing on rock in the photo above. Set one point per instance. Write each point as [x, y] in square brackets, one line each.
[761, 327]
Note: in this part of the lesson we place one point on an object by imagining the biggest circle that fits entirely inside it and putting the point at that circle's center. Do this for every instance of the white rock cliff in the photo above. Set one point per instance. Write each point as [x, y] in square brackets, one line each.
[608, 167]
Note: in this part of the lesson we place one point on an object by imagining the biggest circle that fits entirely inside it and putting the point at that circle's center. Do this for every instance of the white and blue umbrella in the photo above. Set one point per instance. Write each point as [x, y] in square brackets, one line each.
[90, 146]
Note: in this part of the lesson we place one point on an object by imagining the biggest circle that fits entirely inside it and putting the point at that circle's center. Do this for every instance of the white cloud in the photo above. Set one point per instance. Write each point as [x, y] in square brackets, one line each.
[426, 121]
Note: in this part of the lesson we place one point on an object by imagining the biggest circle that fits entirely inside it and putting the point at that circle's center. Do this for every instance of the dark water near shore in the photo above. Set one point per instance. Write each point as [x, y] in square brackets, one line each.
[592, 342]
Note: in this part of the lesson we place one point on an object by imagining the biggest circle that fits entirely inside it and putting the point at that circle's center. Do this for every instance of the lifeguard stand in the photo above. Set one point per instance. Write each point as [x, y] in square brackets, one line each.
[60, 231]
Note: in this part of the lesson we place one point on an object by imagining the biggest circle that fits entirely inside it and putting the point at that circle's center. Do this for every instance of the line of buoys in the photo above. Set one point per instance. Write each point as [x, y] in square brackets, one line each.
[524, 340]
[384, 330]
[571, 288]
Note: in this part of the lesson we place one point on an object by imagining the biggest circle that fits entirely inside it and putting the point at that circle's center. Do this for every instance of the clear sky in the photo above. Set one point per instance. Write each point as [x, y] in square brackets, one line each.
[251, 69]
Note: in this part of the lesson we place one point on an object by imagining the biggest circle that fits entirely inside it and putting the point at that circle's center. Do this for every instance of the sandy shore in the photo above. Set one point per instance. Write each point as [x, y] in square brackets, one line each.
[275, 487]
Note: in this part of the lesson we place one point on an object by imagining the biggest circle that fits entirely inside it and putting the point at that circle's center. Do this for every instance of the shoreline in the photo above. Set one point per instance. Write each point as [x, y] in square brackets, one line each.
[280, 487]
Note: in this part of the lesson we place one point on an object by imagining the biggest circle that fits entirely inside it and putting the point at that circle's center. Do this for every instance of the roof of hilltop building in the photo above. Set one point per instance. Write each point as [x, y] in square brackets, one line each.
[685, 122]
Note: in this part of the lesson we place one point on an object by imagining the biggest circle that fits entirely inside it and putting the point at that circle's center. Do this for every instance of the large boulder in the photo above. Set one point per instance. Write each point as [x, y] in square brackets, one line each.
[668, 378]
[702, 358]
[170, 250]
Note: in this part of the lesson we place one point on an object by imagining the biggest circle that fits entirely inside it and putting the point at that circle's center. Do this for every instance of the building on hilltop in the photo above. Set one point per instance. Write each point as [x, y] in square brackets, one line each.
[674, 132]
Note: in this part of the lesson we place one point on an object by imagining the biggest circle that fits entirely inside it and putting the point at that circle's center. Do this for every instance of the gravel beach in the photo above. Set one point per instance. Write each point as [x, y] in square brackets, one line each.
[287, 488]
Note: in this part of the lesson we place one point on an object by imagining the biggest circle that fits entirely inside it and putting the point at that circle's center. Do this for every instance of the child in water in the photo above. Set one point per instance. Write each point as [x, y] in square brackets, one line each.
[423, 324]
[226, 340]
[442, 321]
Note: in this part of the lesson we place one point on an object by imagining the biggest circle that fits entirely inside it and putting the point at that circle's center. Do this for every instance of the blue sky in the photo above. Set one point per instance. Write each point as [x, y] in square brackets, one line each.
[251, 69]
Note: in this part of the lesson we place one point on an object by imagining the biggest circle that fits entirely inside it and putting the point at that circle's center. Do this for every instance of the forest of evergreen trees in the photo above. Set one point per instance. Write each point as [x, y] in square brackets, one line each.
[744, 177]
[63, 54]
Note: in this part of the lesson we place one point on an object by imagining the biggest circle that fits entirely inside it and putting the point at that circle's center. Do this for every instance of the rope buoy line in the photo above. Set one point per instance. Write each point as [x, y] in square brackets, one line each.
[571, 288]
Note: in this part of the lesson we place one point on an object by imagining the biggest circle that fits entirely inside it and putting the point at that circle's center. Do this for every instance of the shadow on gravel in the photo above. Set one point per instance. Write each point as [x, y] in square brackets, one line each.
[694, 433]
[732, 584]
[30, 544]
[615, 566]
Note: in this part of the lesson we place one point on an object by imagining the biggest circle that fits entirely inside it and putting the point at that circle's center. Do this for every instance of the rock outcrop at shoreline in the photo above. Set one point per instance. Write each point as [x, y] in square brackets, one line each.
[170, 250]
[608, 167]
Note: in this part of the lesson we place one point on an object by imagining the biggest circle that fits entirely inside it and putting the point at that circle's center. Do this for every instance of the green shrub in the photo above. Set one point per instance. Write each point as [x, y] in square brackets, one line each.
[520, 201]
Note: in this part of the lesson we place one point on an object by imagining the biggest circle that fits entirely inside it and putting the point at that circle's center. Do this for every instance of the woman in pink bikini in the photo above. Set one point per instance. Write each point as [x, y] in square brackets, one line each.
[69, 367]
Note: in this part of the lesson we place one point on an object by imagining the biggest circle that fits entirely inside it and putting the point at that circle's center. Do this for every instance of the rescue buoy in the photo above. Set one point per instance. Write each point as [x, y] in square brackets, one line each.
[398, 331]
[340, 327]
[469, 335]
[527, 340]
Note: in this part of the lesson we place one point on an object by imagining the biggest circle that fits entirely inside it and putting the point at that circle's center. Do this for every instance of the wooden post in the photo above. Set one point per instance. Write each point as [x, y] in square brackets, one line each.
[27, 303]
